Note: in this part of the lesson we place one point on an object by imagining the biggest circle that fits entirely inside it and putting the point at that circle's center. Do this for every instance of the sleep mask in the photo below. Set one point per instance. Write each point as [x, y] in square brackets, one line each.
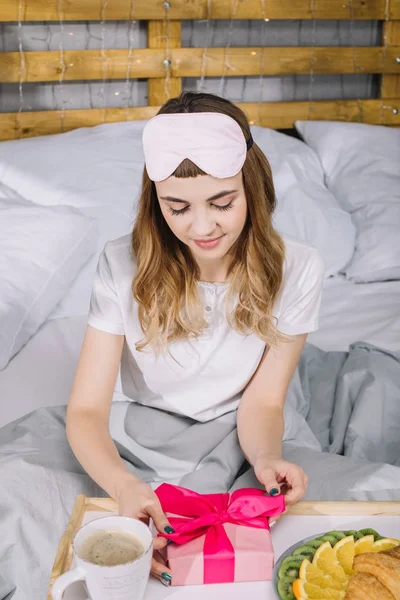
[213, 141]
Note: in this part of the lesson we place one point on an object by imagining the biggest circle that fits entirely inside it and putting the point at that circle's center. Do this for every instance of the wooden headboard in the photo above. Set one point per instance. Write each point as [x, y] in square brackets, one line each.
[164, 62]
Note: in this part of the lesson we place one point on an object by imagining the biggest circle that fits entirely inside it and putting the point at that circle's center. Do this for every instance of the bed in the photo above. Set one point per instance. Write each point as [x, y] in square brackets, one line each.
[49, 359]
[77, 173]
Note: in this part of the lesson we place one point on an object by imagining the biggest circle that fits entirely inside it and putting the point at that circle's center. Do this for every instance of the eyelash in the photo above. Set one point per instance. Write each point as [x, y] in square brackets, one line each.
[184, 210]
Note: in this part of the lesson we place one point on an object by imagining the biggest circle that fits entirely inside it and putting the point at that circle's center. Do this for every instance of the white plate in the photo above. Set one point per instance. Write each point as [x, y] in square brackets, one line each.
[288, 552]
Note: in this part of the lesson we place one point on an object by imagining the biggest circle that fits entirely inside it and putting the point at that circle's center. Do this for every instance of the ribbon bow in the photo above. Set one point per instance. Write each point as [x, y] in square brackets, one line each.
[206, 515]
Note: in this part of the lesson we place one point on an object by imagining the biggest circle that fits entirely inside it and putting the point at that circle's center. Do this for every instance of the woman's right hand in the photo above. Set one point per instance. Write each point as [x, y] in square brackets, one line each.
[137, 499]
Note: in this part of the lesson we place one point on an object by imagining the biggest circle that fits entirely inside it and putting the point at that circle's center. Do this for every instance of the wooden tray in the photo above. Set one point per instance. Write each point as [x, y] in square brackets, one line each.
[365, 512]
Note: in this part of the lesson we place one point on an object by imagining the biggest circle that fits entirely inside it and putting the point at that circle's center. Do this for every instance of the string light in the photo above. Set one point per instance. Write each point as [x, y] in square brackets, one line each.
[262, 61]
[385, 44]
[131, 44]
[104, 59]
[227, 65]
[63, 66]
[355, 66]
[167, 61]
[204, 57]
[21, 67]
[313, 10]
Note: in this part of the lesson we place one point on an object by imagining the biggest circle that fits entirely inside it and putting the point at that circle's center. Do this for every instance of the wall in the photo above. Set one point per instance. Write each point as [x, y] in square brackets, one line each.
[130, 35]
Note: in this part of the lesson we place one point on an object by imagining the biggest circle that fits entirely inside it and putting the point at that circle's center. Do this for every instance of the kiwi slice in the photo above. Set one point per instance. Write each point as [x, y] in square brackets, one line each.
[339, 535]
[329, 538]
[315, 543]
[305, 551]
[285, 589]
[290, 567]
[354, 533]
[371, 532]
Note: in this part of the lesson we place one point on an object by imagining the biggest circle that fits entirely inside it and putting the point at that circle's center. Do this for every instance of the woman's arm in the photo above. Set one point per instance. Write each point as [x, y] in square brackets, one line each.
[89, 408]
[260, 419]
[88, 433]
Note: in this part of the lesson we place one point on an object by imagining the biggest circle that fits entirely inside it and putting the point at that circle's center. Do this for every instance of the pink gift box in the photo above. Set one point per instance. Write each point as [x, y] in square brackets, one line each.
[254, 556]
[219, 538]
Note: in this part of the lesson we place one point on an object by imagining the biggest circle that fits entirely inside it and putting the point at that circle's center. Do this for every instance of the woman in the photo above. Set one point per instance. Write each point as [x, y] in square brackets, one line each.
[205, 308]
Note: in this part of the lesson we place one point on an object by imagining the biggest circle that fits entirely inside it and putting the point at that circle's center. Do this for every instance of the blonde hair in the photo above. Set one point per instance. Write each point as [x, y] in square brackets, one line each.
[165, 284]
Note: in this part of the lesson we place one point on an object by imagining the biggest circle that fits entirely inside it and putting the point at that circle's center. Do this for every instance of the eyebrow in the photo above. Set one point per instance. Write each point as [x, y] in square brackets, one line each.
[215, 197]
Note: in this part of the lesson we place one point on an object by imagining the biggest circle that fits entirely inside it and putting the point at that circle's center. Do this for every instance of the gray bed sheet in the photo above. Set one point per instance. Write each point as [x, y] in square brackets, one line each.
[342, 425]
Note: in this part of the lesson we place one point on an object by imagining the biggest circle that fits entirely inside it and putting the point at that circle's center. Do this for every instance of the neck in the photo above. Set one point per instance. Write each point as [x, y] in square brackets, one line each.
[214, 271]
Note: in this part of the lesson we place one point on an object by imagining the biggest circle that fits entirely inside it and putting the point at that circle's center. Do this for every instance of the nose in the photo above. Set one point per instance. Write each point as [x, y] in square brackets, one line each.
[203, 224]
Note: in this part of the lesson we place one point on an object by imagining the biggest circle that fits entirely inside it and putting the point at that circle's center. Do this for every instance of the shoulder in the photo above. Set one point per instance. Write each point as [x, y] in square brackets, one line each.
[302, 261]
[120, 248]
[119, 258]
[298, 302]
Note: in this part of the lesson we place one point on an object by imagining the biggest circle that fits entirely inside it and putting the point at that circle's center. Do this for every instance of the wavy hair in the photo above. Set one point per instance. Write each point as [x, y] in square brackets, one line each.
[165, 284]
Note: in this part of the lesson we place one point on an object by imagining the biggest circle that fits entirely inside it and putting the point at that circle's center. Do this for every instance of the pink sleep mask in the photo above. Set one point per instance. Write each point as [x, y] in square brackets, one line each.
[213, 141]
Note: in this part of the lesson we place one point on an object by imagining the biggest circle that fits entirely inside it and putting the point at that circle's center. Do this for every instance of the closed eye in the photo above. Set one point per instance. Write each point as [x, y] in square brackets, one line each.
[225, 207]
[182, 211]
[178, 212]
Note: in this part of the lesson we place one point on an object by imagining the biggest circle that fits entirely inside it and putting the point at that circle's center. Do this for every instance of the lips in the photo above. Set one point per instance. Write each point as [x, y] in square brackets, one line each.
[210, 243]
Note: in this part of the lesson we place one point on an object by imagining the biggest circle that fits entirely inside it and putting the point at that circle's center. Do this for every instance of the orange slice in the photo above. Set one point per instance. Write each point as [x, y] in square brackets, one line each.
[302, 589]
[344, 552]
[364, 544]
[311, 574]
[384, 544]
[325, 560]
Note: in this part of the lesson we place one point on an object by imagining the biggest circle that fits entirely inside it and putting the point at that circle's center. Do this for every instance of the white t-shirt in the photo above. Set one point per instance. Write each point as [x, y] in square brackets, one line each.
[208, 375]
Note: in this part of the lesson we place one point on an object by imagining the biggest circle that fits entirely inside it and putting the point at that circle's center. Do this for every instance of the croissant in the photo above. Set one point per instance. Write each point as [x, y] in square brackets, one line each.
[376, 576]
[363, 586]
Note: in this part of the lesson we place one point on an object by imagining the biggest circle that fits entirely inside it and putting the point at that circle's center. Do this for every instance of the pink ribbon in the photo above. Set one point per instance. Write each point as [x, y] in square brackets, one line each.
[207, 514]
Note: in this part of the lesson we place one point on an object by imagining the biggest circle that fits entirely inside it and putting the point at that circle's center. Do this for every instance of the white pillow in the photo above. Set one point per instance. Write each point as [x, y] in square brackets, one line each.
[42, 250]
[362, 168]
[306, 209]
[110, 226]
[102, 166]
[87, 167]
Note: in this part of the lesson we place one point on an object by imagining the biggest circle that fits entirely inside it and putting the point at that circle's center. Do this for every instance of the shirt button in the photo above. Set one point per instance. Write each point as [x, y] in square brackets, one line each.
[208, 308]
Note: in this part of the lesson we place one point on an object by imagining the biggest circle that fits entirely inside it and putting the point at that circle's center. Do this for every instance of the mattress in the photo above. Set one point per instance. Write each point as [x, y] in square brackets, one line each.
[43, 371]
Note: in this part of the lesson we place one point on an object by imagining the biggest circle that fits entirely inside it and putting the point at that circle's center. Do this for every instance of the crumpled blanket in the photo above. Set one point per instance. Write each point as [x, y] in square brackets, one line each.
[342, 425]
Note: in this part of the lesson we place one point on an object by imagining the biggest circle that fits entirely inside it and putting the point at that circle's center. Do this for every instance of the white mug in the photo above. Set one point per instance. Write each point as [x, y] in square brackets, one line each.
[125, 582]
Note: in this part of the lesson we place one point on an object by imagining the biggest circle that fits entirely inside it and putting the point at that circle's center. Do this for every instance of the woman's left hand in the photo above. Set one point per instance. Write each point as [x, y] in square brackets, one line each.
[280, 476]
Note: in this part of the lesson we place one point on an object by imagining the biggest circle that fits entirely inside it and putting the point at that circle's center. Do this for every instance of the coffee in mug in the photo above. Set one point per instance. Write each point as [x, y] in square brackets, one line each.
[110, 548]
[112, 555]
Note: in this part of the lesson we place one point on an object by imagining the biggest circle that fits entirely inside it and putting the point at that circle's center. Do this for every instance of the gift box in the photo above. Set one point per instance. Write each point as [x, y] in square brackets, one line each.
[219, 538]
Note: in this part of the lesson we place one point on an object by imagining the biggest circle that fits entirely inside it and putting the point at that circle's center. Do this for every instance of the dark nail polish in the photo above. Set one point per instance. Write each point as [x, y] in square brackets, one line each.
[274, 492]
[169, 542]
[169, 529]
[166, 576]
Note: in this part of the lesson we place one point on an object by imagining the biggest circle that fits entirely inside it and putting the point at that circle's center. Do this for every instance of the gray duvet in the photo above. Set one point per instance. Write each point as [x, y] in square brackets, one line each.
[342, 425]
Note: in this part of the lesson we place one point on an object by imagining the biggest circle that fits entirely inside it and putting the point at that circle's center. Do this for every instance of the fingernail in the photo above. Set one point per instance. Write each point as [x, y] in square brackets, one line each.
[164, 581]
[167, 577]
[169, 529]
[274, 492]
[169, 542]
